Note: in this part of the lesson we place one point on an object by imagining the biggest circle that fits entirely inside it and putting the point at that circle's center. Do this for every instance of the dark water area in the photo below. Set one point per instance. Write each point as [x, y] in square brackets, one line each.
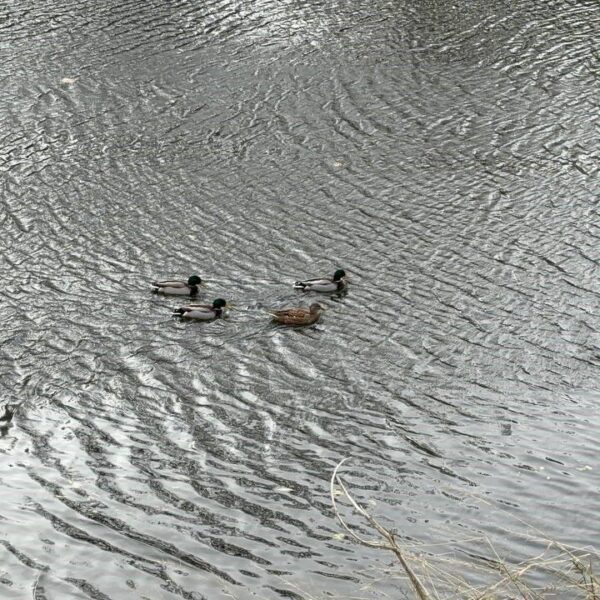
[444, 153]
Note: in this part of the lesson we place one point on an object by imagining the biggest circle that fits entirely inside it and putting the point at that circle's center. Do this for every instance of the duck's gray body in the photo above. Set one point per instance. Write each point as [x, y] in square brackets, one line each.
[173, 287]
[202, 312]
[337, 283]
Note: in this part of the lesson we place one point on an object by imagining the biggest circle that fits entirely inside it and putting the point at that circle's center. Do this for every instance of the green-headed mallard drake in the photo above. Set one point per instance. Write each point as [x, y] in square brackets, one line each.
[337, 283]
[202, 312]
[298, 316]
[178, 288]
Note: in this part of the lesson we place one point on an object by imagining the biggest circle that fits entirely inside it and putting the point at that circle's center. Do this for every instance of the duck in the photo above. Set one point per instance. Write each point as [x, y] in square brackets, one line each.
[296, 317]
[202, 312]
[178, 288]
[337, 283]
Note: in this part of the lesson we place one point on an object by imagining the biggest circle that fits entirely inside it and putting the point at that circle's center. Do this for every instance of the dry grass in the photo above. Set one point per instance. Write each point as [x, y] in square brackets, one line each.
[557, 572]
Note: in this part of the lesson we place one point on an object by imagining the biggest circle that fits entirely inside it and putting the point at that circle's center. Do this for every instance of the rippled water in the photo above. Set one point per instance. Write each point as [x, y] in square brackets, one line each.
[446, 155]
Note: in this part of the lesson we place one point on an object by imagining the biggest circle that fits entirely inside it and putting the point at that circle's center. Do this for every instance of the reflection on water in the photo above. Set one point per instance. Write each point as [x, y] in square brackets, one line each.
[445, 156]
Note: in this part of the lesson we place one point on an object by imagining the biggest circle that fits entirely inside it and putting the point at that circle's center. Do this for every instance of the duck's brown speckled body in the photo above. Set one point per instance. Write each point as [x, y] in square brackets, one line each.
[297, 317]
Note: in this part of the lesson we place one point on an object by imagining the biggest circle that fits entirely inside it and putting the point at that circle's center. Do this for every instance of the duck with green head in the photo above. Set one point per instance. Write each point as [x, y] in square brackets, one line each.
[337, 283]
[202, 312]
[178, 288]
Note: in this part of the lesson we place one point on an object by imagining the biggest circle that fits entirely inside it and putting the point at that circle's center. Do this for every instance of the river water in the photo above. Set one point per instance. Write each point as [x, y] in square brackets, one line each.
[445, 154]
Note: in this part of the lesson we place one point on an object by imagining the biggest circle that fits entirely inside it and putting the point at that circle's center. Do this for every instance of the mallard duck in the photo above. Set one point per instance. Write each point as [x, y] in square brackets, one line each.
[298, 316]
[337, 283]
[202, 312]
[178, 288]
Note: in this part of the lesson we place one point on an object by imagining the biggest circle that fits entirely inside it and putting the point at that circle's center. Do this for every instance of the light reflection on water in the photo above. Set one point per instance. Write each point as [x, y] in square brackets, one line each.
[445, 157]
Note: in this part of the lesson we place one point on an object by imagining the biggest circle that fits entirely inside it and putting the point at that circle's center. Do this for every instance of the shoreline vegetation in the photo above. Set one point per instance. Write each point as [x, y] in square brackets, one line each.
[558, 571]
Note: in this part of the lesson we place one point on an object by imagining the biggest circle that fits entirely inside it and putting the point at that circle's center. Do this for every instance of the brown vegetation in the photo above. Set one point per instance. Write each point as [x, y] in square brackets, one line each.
[565, 572]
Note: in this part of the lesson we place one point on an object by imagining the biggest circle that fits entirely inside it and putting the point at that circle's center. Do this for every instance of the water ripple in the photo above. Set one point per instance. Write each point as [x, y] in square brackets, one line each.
[444, 155]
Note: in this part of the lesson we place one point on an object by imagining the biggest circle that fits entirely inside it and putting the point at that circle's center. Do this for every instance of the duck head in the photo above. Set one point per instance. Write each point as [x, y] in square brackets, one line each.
[219, 304]
[315, 307]
[194, 280]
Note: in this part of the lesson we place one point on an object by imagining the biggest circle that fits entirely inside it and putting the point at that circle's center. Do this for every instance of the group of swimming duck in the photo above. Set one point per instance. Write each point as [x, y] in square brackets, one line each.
[336, 284]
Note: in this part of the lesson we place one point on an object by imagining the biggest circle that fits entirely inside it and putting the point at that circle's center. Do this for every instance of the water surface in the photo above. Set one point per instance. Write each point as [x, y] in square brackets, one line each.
[446, 155]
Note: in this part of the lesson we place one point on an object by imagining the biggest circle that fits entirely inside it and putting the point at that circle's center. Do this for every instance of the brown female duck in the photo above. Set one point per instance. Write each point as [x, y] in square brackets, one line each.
[296, 317]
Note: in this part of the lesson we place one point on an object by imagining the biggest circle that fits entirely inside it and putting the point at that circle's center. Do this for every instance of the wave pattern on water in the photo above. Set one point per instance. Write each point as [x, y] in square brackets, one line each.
[446, 156]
